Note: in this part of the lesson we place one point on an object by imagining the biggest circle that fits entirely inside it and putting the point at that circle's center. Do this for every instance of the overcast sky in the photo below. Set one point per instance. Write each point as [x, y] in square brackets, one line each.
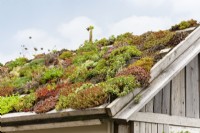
[57, 24]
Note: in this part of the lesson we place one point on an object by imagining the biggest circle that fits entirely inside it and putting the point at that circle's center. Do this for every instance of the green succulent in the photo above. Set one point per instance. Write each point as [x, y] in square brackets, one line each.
[7, 104]
[51, 74]
[18, 62]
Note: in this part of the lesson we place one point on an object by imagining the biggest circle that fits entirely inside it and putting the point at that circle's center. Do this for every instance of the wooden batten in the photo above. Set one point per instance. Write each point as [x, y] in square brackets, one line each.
[166, 99]
[178, 94]
[165, 119]
[192, 87]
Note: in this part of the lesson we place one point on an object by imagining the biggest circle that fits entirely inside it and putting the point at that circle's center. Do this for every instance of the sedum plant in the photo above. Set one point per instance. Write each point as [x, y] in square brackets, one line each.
[83, 98]
[7, 104]
[51, 74]
[26, 103]
[66, 54]
[45, 105]
[18, 62]
[146, 63]
[120, 86]
[140, 74]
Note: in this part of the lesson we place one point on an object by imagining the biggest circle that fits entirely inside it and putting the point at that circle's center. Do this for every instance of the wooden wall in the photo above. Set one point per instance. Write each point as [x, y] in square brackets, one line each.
[180, 97]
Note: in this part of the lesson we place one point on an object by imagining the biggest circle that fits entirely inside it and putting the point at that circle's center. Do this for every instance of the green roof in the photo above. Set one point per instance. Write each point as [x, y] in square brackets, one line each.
[96, 73]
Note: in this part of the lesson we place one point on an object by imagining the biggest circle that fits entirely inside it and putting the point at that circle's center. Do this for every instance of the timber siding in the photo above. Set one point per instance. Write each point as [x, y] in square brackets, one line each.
[180, 97]
[177, 103]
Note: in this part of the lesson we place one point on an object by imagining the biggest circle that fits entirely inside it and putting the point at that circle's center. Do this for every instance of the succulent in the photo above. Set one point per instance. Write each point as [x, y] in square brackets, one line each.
[7, 104]
[45, 105]
[26, 103]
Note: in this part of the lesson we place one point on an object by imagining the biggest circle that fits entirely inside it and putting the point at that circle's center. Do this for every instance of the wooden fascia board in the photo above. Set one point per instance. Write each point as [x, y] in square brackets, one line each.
[51, 125]
[31, 116]
[158, 83]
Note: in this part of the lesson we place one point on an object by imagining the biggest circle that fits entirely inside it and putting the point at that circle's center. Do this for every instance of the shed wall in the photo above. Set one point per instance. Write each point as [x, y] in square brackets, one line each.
[180, 97]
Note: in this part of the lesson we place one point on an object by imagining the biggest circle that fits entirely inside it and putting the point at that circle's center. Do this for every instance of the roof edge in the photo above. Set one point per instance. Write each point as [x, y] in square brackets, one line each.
[27, 116]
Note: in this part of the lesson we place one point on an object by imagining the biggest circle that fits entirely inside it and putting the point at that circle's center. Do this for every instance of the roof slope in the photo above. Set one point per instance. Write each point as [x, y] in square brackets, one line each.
[95, 74]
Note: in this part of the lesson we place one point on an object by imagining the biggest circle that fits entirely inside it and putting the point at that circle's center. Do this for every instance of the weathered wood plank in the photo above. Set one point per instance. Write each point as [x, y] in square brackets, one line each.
[166, 128]
[158, 83]
[174, 53]
[110, 128]
[136, 127]
[166, 99]
[25, 116]
[149, 106]
[123, 129]
[51, 125]
[178, 94]
[192, 89]
[143, 109]
[160, 128]
[148, 127]
[142, 127]
[154, 128]
[142, 124]
[157, 108]
[165, 119]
